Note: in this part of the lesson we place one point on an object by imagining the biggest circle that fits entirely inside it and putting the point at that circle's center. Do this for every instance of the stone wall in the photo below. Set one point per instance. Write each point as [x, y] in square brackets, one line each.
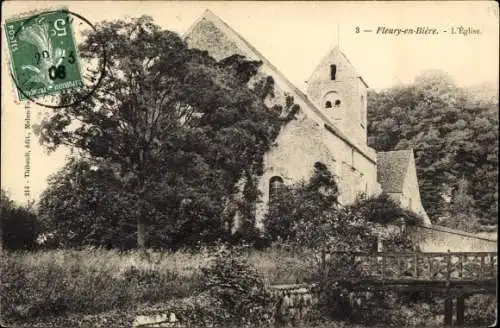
[441, 239]
[294, 302]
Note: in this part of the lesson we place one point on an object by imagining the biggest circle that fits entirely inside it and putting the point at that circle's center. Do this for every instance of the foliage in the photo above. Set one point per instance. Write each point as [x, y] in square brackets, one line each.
[95, 280]
[461, 214]
[19, 225]
[303, 209]
[454, 134]
[177, 128]
[384, 210]
[308, 215]
[94, 285]
[85, 205]
[481, 310]
[239, 290]
[63, 282]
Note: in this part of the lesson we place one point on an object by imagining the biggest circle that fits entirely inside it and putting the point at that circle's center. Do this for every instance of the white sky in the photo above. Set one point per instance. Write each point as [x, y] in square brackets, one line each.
[294, 36]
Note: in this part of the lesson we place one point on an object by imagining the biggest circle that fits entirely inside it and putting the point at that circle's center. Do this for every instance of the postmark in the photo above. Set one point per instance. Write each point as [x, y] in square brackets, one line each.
[46, 67]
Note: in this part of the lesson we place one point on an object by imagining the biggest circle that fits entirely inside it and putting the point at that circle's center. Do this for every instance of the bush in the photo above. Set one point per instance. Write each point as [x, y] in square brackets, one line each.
[19, 225]
[303, 207]
[481, 310]
[308, 215]
[384, 210]
[239, 290]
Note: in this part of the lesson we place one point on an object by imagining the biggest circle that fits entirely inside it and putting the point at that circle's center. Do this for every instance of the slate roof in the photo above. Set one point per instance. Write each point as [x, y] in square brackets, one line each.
[392, 167]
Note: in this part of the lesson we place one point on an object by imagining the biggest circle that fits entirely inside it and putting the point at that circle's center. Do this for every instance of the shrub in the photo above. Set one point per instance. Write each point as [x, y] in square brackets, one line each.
[239, 290]
[19, 225]
[302, 207]
[384, 210]
[308, 215]
[481, 310]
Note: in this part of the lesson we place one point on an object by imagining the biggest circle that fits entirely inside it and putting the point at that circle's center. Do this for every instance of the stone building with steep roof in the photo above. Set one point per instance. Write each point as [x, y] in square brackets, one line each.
[396, 173]
[330, 127]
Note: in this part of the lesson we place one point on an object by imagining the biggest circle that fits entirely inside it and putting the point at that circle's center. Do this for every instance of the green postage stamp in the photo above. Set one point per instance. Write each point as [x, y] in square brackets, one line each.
[43, 56]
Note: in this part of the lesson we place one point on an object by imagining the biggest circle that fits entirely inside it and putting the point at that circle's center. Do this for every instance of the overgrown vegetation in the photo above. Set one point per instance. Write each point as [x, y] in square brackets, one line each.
[164, 145]
[308, 215]
[38, 287]
[61, 282]
[171, 128]
[454, 134]
[19, 225]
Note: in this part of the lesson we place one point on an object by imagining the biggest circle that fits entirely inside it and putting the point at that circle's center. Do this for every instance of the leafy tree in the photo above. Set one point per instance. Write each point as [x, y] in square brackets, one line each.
[85, 205]
[454, 134]
[178, 128]
[19, 225]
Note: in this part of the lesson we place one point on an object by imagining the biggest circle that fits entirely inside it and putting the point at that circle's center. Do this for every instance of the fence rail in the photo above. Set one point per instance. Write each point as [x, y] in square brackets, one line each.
[463, 266]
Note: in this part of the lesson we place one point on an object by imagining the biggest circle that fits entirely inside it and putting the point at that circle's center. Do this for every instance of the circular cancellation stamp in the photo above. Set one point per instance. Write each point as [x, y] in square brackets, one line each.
[44, 58]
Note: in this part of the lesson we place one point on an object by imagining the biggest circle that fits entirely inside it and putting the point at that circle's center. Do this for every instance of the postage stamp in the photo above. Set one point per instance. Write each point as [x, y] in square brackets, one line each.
[43, 55]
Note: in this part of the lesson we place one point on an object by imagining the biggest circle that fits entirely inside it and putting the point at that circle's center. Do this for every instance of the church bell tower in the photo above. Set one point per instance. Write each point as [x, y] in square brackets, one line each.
[340, 93]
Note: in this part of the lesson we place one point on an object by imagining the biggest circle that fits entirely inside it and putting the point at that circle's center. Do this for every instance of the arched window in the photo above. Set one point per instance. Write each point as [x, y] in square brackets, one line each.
[275, 185]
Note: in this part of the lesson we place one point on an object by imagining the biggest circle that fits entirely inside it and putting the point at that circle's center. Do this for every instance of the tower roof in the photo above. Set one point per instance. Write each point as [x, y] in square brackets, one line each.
[336, 52]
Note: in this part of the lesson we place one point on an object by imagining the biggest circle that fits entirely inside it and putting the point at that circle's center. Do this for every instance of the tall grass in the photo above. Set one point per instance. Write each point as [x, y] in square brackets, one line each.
[35, 284]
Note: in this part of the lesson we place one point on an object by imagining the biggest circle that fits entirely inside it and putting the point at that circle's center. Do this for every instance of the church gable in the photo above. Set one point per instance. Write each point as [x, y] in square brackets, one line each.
[204, 35]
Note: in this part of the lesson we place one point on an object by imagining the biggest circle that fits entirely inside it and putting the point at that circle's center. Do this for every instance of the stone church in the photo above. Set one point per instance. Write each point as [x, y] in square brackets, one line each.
[331, 126]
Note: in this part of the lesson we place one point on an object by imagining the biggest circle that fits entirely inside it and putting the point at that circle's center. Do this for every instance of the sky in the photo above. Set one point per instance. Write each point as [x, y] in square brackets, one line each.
[294, 36]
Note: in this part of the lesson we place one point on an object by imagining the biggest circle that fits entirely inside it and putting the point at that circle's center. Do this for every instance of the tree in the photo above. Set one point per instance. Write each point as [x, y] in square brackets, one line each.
[19, 225]
[84, 205]
[167, 119]
[453, 132]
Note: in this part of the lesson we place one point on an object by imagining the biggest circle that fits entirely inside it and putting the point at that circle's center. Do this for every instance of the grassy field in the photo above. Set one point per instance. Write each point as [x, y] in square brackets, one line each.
[95, 280]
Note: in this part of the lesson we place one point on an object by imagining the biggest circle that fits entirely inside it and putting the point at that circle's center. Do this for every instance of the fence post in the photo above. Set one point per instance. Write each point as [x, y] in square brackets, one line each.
[461, 265]
[430, 266]
[415, 259]
[448, 266]
[493, 267]
[481, 270]
[461, 310]
[448, 311]
[383, 267]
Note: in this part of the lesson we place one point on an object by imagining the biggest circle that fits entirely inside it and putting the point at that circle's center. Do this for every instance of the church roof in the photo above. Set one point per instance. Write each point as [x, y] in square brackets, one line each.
[392, 167]
[240, 41]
